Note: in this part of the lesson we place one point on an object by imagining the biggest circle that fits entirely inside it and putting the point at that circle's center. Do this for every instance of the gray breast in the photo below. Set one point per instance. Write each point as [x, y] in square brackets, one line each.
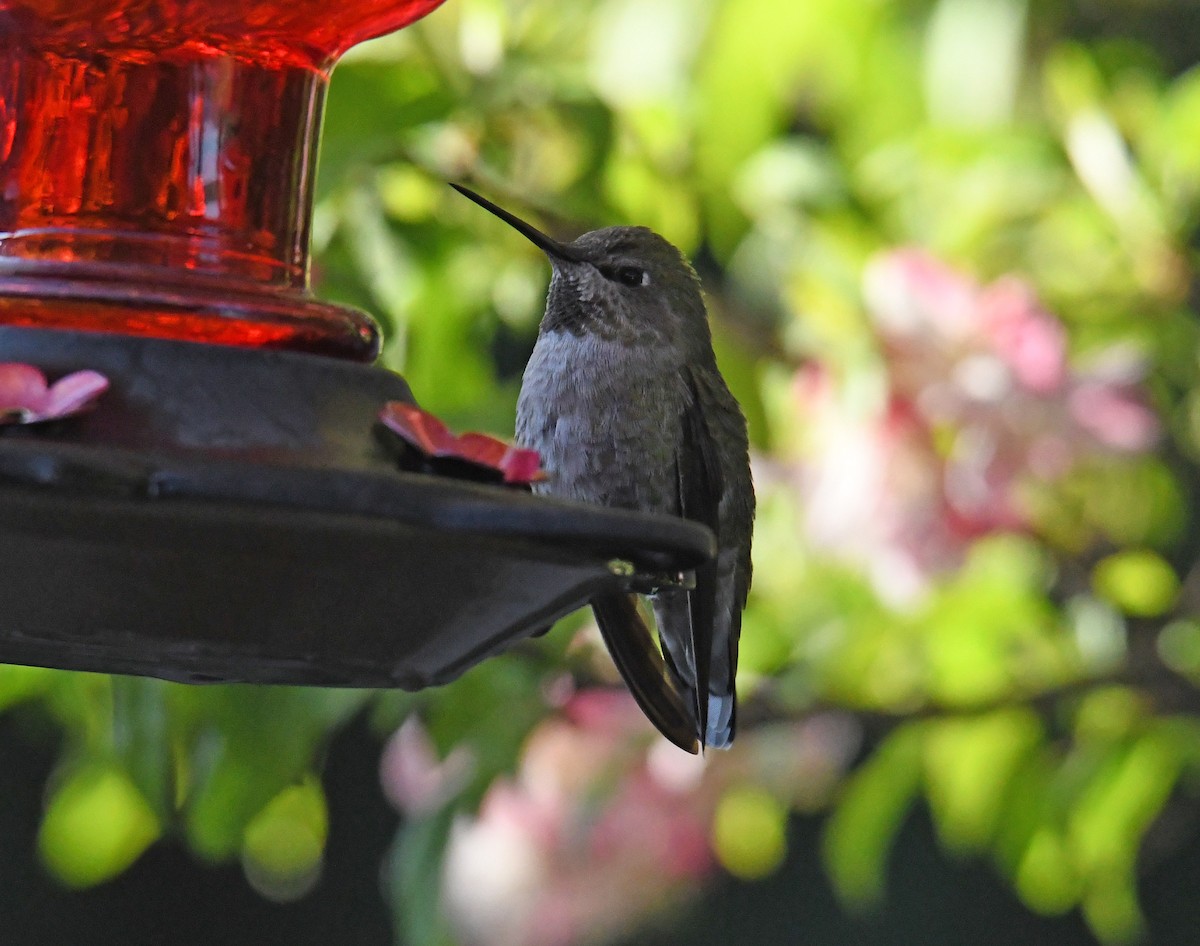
[604, 416]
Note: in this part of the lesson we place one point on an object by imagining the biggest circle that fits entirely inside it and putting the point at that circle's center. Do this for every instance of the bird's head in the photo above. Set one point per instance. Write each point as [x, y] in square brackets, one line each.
[623, 283]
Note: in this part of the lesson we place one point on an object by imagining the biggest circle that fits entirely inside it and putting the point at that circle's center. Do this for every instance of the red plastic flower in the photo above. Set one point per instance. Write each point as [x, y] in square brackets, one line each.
[26, 398]
[431, 439]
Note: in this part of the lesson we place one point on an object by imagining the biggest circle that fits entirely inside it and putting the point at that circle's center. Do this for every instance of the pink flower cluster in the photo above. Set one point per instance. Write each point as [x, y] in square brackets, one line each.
[590, 834]
[980, 401]
[603, 822]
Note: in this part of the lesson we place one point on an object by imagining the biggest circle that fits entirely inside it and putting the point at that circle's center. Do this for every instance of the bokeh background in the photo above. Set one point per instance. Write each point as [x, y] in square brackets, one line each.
[949, 250]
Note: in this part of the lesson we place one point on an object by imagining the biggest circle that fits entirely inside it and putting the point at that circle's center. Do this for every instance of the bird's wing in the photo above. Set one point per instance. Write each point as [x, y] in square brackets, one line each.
[633, 650]
[700, 483]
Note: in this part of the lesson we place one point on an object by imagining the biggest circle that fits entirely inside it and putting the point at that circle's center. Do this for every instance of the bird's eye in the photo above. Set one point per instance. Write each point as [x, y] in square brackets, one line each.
[627, 275]
[632, 276]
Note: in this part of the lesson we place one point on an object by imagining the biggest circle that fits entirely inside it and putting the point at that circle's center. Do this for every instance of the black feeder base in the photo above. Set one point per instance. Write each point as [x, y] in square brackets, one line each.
[227, 514]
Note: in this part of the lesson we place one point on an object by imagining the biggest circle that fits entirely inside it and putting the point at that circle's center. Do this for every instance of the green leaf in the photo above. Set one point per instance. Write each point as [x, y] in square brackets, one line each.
[866, 819]
[96, 824]
[284, 843]
[969, 764]
[253, 743]
[412, 878]
[1046, 877]
[1137, 581]
[1179, 646]
[755, 50]
[141, 738]
[750, 832]
[18, 684]
[355, 135]
[1108, 822]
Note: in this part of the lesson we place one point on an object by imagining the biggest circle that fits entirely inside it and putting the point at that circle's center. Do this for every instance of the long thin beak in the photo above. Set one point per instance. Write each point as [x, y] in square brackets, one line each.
[552, 248]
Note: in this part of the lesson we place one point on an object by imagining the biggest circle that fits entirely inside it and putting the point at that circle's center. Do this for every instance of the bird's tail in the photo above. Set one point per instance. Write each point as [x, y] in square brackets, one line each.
[634, 651]
[696, 629]
[701, 606]
[722, 719]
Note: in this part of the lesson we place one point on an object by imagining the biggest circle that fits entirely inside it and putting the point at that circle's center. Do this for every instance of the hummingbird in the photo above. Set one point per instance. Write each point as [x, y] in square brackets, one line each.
[623, 400]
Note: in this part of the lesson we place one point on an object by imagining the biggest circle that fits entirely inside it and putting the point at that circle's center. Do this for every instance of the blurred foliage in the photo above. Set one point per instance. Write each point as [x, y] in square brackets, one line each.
[1031, 679]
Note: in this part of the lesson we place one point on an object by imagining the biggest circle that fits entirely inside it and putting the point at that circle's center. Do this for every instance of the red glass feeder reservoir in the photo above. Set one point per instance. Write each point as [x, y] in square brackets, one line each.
[230, 510]
[157, 160]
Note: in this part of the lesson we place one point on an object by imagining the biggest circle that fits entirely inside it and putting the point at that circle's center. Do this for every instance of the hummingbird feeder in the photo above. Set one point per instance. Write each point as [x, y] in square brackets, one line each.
[226, 509]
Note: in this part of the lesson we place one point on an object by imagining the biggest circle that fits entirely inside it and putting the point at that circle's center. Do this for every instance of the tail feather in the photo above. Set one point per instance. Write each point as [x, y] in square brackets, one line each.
[701, 618]
[699, 630]
[722, 720]
[631, 644]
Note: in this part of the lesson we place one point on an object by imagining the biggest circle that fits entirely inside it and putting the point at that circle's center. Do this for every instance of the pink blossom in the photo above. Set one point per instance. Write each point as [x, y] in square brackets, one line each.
[25, 397]
[1026, 337]
[979, 401]
[873, 492]
[590, 837]
[910, 294]
[604, 822]
[414, 779]
[1114, 415]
